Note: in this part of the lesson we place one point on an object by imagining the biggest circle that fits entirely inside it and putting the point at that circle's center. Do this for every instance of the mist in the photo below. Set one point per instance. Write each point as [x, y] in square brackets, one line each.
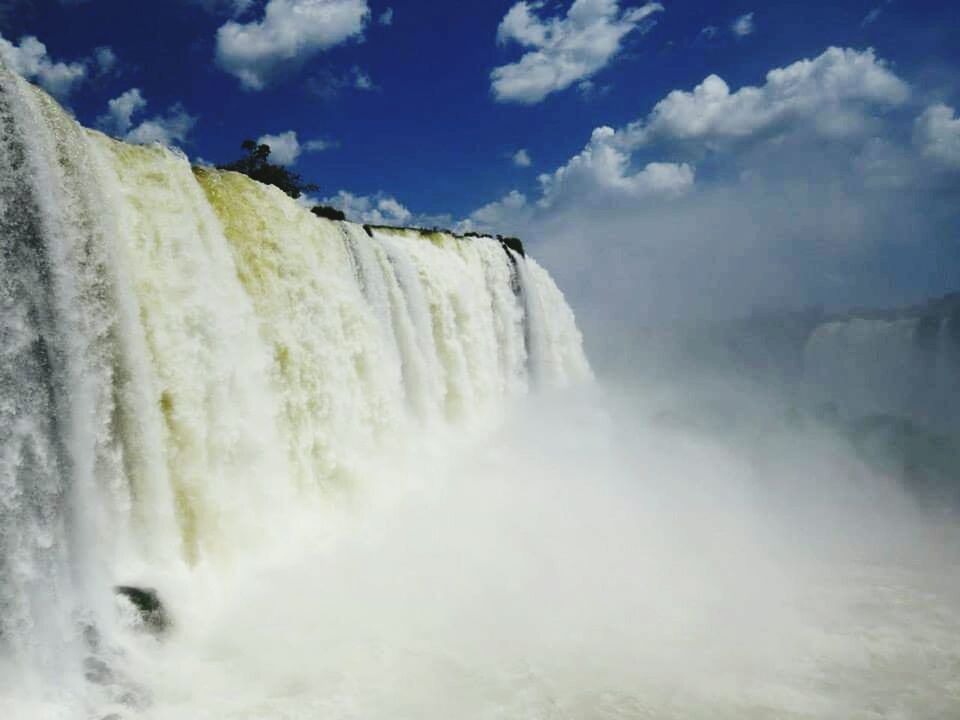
[607, 552]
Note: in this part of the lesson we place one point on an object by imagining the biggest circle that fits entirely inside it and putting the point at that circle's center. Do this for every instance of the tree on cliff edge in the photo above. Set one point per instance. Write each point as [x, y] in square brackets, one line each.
[257, 165]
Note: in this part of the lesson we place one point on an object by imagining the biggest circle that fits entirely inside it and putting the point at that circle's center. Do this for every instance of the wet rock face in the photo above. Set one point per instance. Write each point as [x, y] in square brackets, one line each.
[148, 605]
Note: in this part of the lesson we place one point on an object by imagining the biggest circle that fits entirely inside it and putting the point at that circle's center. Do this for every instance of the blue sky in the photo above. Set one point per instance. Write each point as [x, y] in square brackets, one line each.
[835, 184]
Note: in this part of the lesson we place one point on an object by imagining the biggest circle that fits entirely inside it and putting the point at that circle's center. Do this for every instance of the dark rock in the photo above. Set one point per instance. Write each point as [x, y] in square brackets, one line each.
[513, 244]
[148, 605]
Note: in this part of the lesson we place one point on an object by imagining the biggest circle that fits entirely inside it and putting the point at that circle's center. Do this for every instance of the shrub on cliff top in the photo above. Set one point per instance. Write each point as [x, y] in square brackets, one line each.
[330, 213]
[257, 165]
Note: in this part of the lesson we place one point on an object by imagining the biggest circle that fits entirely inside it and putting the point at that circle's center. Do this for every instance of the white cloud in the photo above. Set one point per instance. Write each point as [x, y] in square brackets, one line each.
[798, 190]
[937, 133]
[564, 50]
[361, 80]
[285, 148]
[386, 17]
[30, 59]
[289, 34]
[521, 158]
[328, 85]
[875, 14]
[318, 145]
[829, 91]
[379, 209]
[170, 129]
[120, 111]
[106, 59]
[826, 95]
[602, 170]
[743, 25]
[500, 214]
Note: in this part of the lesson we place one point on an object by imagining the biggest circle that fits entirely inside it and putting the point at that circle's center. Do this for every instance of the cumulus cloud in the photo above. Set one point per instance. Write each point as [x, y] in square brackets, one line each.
[827, 97]
[743, 25]
[30, 59]
[563, 50]
[800, 189]
[937, 134]
[603, 169]
[498, 213]
[120, 111]
[286, 149]
[386, 17]
[379, 209]
[171, 128]
[521, 158]
[289, 33]
[829, 91]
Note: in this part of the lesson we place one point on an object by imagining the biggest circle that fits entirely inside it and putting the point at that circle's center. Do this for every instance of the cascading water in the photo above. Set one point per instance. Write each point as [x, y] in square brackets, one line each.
[61, 468]
[337, 455]
[188, 355]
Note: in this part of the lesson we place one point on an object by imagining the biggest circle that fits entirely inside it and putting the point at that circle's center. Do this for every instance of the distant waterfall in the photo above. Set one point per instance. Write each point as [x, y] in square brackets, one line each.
[908, 366]
[187, 354]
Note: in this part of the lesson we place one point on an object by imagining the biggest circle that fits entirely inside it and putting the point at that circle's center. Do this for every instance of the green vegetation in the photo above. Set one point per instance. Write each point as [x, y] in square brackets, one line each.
[330, 213]
[257, 165]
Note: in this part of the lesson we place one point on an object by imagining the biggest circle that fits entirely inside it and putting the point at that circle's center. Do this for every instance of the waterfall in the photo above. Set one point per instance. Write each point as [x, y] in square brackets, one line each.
[188, 355]
[907, 366]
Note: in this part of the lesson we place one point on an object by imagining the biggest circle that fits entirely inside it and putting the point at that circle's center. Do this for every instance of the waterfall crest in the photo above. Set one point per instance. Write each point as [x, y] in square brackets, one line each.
[187, 354]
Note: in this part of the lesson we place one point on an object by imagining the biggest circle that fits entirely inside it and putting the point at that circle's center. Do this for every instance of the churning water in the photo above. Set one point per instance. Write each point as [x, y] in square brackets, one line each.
[369, 475]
